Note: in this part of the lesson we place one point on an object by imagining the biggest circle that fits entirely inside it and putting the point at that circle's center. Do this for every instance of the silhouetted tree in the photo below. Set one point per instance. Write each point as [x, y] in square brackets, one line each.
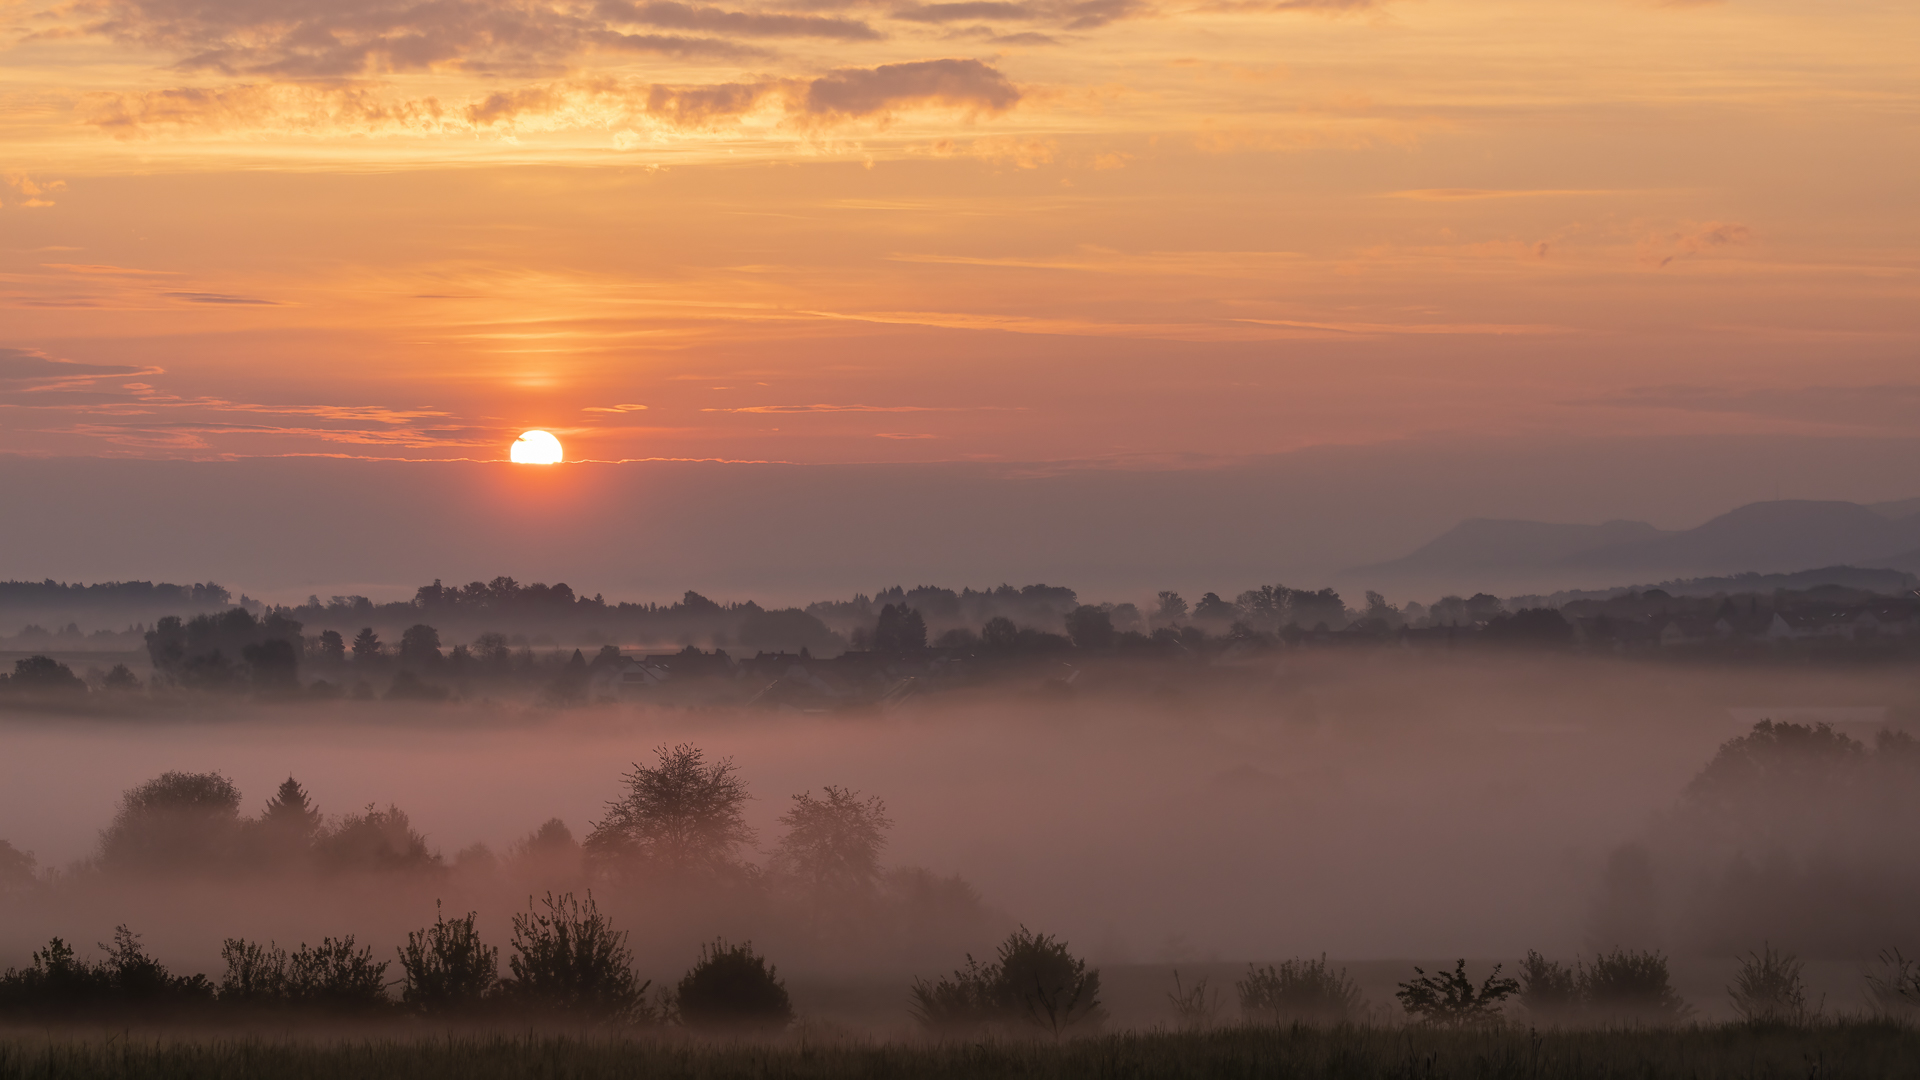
[446, 968]
[999, 635]
[1213, 609]
[680, 816]
[900, 629]
[272, 665]
[16, 868]
[419, 647]
[1169, 609]
[43, 674]
[570, 961]
[177, 821]
[333, 648]
[121, 679]
[366, 647]
[1090, 628]
[833, 843]
[375, 840]
[291, 820]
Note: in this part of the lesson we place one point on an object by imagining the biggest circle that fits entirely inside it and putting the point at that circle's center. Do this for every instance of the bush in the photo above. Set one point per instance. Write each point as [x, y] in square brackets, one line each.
[1896, 990]
[1632, 987]
[334, 975]
[570, 961]
[956, 1005]
[445, 968]
[1549, 990]
[256, 974]
[1298, 992]
[59, 983]
[1193, 1009]
[1451, 1000]
[1035, 981]
[1041, 984]
[731, 987]
[1769, 989]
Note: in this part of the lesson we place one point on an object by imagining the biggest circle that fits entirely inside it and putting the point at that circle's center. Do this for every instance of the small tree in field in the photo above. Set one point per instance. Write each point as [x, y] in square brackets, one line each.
[569, 961]
[833, 843]
[1626, 986]
[1450, 999]
[1042, 984]
[679, 817]
[256, 973]
[446, 968]
[1770, 990]
[732, 987]
[1549, 990]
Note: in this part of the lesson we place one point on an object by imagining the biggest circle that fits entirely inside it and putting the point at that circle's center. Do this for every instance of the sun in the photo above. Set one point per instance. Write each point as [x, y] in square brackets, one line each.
[536, 448]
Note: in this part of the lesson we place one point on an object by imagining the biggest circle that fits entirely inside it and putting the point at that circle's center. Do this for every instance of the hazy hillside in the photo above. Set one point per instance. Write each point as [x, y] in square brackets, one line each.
[1765, 537]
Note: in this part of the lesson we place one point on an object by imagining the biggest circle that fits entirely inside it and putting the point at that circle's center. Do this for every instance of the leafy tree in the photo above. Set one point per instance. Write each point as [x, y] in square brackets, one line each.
[1450, 999]
[1090, 628]
[958, 1004]
[272, 665]
[681, 816]
[570, 961]
[446, 968]
[375, 840]
[333, 648]
[43, 674]
[1169, 608]
[900, 629]
[833, 843]
[420, 646]
[1212, 608]
[999, 634]
[1040, 983]
[121, 679]
[732, 987]
[16, 868]
[175, 822]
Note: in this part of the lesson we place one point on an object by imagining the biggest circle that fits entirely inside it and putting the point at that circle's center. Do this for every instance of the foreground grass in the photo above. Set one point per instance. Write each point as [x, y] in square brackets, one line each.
[1846, 1049]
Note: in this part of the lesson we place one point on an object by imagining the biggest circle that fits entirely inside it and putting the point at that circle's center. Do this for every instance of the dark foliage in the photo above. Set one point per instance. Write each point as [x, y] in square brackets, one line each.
[569, 961]
[446, 969]
[1450, 999]
[732, 987]
[1298, 992]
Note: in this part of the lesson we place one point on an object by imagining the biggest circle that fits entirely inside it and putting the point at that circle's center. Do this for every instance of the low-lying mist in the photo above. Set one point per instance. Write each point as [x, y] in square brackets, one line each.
[1366, 807]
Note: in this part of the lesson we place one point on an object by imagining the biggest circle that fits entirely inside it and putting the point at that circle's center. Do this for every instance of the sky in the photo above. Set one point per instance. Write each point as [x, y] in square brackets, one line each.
[1033, 234]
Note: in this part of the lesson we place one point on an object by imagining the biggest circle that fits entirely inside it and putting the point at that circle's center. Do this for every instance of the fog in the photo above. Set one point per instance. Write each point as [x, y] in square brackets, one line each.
[1369, 807]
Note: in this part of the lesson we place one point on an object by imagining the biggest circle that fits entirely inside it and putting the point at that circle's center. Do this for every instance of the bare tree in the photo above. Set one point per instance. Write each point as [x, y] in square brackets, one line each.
[680, 816]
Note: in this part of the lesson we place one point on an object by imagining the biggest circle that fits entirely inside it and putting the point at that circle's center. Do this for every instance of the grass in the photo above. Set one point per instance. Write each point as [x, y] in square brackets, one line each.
[1832, 1050]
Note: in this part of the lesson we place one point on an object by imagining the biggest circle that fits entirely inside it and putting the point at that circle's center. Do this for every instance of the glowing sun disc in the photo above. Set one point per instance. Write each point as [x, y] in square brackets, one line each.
[535, 448]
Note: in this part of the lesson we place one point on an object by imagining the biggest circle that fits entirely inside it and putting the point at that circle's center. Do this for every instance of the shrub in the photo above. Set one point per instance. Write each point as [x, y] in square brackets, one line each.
[1896, 990]
[732, 987]
[1549, 990]
[334, 975]
[956, 1005]
[256, 974]
[1769, 989]
[59, 983]
[1193, 1009]
[375, 840]
[446, 968]
[1623, 986]
[1298, 991]
[1042, 984]
[569, 960]
[1035, 981]
[138, 979]
[1451, 1000]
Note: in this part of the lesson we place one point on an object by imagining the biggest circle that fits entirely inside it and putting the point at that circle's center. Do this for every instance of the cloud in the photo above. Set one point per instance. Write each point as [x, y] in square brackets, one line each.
[862, 92]
[1069, 14]
[676, 16]
[377, 37]
[32, 371]
[1475, 194]
[1662, 249]
[614, 408]
[31, 193]
[218, 298]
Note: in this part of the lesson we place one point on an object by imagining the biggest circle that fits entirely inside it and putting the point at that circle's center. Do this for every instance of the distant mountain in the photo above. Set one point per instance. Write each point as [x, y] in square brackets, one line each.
[1770, 536]
[1898, 508]
[1496, 544]
[1766, 537]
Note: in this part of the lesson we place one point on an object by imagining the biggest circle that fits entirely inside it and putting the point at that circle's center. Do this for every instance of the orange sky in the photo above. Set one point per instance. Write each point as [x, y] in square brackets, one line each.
[1100, 230]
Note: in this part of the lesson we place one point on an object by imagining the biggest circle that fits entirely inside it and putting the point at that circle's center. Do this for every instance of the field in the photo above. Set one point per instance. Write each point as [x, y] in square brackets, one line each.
[1848, 1049]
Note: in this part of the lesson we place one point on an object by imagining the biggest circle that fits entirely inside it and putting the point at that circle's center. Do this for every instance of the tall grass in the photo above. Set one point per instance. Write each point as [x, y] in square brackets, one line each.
[1836, 1051]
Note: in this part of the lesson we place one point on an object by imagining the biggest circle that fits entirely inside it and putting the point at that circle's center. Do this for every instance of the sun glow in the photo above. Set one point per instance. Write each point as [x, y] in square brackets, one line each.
[535, 448]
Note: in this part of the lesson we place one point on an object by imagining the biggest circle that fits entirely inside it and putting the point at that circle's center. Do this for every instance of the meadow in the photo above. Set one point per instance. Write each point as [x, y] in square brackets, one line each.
[1832, 1050]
